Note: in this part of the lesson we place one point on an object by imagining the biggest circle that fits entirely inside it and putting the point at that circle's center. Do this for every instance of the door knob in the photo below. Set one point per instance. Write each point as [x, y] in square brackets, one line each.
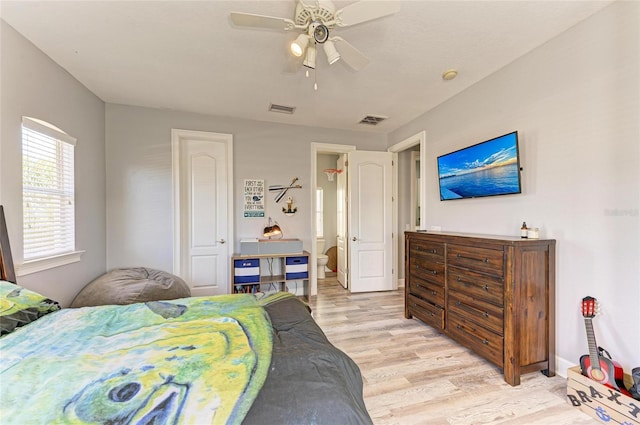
[354, 239]
[222, 241]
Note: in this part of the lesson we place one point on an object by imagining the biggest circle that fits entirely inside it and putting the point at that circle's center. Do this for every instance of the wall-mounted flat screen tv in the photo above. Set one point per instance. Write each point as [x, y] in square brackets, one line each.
[489, 168]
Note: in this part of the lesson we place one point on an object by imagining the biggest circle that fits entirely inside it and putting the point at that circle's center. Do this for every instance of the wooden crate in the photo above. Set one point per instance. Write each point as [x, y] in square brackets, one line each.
[600, 402]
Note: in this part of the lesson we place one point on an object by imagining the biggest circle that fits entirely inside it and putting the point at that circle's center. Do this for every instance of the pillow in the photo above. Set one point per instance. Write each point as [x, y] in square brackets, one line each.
[131, 285]
[20, 306]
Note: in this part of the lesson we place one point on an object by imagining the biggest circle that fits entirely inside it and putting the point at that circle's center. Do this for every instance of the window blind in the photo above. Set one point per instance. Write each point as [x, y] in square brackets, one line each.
[47, 190]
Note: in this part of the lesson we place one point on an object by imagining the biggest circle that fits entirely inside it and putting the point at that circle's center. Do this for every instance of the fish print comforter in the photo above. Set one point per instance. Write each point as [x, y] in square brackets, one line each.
[188, 361]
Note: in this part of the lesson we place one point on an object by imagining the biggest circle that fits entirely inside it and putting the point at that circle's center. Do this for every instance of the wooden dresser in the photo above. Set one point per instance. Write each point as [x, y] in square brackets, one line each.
[492, 294]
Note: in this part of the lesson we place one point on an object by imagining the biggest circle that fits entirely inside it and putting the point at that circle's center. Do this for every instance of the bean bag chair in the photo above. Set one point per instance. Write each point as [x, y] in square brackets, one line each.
[131, 285]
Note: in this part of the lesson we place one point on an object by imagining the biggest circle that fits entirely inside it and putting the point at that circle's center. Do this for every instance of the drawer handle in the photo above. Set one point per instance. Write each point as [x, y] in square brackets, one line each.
[433, 251]
[484, 341]
[482, 260]
[430, 290]
[431, 313]
[426, 270]
[485, 314]
[485, 287]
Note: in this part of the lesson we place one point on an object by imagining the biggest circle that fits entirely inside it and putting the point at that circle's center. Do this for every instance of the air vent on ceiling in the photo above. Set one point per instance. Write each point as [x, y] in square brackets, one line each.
[372, 120]
[282, 109]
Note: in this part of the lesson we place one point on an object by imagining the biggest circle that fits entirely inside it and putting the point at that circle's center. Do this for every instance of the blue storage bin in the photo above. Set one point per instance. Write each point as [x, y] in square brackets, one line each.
[297, 268]
[246, 270]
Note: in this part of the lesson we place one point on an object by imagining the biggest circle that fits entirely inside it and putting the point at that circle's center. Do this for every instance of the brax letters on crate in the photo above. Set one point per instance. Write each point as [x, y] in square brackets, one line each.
[604, 404]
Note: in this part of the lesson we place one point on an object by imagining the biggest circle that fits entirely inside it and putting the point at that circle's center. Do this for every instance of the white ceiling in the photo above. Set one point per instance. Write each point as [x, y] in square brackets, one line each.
[186, 55]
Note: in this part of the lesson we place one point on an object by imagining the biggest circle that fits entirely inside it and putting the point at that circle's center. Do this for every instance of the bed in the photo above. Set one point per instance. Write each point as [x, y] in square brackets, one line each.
[227, 359]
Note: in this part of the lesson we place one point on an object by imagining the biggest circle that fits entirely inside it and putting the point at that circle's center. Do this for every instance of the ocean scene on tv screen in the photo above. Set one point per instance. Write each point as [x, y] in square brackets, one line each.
[485, 169]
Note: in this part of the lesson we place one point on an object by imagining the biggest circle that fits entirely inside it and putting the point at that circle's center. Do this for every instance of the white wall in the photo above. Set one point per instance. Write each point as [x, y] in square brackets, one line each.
[139, 209]
[34, 85]
[575, 102]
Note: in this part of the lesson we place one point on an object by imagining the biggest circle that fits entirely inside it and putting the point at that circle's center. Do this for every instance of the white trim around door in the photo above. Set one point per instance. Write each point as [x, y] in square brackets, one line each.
[210, 156]
[417, 139]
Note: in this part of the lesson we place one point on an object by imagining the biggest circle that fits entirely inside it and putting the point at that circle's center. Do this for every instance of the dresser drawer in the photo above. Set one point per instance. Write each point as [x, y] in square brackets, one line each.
[428, 270]
[476, 285]
[427, 290]
[484, 260]
[430, 314]
[426, 249]
[483, 313]
[481, 340]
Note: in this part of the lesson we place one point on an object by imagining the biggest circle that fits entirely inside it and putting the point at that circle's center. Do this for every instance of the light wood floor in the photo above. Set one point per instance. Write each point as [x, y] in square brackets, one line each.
[413, 375]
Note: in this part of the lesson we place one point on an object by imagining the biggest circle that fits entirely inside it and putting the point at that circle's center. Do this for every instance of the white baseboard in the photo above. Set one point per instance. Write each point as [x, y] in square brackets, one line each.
[562, 365]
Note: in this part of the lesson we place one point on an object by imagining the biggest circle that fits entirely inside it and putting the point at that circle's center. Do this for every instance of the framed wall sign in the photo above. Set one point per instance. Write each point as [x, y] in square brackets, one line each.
[253, 198]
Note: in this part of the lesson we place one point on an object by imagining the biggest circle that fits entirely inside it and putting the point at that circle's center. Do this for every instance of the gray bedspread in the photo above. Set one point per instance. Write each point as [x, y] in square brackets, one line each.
[310, 381]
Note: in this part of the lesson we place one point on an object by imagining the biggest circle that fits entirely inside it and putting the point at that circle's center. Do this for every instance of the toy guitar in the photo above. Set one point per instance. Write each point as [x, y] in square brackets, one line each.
[594, 365]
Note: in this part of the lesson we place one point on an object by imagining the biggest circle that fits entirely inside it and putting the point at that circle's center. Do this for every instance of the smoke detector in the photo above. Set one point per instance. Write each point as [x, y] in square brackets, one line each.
[449, 74]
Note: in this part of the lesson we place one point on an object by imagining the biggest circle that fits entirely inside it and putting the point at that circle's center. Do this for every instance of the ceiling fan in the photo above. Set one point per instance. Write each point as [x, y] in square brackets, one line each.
[317, 19]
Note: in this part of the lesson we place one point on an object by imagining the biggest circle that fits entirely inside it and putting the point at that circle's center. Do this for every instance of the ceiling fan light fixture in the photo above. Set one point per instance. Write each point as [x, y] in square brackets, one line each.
[332, 54]
[299, 45]
[321, 33]
[317, 19]
[310, 58]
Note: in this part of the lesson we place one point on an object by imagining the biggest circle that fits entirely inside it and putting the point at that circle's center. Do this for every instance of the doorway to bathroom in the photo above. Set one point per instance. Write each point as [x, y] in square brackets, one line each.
[330, 216]
[406, 203]
[369, 237]
[329, 222]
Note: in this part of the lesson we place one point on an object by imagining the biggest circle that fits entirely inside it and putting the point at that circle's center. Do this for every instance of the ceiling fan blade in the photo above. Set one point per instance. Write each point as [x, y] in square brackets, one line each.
[260, 21]
[364, 11]
[352, 56]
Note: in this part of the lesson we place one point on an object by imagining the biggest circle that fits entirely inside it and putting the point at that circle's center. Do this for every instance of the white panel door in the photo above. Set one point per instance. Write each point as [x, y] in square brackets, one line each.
[370, 221]
[342, 206]
[204, 252]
